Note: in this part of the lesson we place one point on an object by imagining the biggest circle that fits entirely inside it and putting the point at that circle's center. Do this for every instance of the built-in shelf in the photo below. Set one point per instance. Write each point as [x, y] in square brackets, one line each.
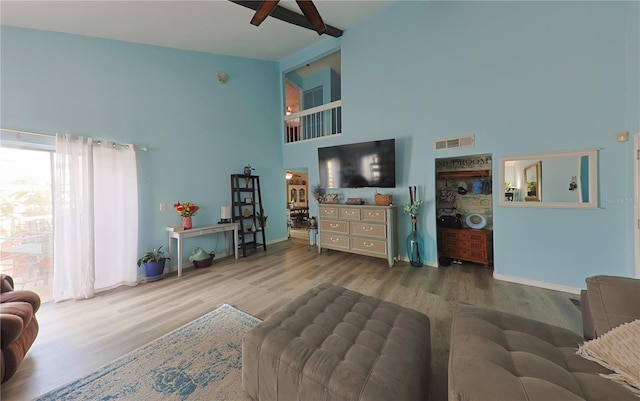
[446, 175]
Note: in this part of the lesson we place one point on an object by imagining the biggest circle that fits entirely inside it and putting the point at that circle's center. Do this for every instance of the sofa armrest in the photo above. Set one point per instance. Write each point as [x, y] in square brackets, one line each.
[27, 296]
[10, 329]
[589, 331]
[612, 301]
[6, 283]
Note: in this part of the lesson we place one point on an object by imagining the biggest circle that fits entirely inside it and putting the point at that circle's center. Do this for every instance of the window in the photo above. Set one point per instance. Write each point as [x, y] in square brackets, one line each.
[26, 229]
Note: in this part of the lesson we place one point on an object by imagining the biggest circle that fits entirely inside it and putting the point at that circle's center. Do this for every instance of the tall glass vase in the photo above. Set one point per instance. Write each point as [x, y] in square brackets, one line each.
[415, 245]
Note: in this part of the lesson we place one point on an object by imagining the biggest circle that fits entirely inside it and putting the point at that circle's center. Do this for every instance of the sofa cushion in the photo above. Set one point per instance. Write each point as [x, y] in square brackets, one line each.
[618, 350]
[612, 301]
[500, 356]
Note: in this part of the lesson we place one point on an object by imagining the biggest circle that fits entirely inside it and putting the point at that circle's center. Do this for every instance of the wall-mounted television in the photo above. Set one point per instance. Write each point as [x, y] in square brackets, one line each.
[358, 165]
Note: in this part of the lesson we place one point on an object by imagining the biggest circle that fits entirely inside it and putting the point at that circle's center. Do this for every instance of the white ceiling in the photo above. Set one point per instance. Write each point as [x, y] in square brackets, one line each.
[212, 26]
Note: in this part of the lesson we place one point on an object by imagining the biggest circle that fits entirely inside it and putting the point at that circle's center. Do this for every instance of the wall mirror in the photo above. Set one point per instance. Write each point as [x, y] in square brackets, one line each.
[555, 180]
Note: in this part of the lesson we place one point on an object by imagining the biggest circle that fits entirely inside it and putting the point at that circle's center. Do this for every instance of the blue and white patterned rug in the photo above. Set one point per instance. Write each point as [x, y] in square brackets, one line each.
[198, 361]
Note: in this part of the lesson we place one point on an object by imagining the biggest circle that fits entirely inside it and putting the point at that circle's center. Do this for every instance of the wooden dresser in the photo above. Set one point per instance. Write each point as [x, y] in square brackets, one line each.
[465, 244]
[363, 229]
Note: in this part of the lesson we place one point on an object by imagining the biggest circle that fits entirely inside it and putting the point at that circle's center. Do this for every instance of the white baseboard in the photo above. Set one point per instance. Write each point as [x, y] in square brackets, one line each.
[430, 264]
[273, 241]
[534, 283]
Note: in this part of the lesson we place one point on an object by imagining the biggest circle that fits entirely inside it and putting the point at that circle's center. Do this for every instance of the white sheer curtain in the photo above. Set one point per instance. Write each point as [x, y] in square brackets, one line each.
[116, 215]
[95, 217]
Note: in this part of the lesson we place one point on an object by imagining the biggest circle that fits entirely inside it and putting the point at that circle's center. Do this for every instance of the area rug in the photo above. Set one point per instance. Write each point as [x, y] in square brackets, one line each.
[198, 361]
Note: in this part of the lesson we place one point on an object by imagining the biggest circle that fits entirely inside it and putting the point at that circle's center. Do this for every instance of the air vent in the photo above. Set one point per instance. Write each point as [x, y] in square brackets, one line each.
[459, 142]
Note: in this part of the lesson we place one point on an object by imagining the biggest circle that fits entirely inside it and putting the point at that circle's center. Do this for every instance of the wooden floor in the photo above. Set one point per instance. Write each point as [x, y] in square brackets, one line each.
[76, 337]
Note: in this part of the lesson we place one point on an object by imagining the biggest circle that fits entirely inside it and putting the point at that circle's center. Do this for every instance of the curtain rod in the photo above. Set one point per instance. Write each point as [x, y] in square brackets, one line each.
[98, 142]
[17, 131]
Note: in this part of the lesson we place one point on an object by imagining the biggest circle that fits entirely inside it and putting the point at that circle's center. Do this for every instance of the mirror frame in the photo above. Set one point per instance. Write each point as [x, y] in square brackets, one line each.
[592, 154]
[538, 172]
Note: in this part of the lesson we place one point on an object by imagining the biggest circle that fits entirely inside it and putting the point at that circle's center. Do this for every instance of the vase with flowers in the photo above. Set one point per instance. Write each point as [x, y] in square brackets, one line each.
[415, 241]
[186, 210]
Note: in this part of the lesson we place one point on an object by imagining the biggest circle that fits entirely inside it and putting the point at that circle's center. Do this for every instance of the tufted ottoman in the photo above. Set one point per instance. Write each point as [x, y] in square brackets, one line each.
[335, 344]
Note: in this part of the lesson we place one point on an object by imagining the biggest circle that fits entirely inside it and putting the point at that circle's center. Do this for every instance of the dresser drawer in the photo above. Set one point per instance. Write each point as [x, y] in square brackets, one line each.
[373, 215]
[472, 255]
[464, 235]
[328, 212]
[478, 236]
[334, 226]
[369, 230]
[349, 214]
[464, 245]
[334, 241]
[372, 246]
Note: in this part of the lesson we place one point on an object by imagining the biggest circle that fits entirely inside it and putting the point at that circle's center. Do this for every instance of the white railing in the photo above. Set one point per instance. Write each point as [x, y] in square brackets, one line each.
[317, 122]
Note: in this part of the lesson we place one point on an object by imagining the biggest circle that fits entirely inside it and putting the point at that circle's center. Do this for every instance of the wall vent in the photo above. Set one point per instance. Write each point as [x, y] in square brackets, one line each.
[459, 142]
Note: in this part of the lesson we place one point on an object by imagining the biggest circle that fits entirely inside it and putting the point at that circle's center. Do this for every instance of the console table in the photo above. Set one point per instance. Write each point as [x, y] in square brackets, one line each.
[225, 228]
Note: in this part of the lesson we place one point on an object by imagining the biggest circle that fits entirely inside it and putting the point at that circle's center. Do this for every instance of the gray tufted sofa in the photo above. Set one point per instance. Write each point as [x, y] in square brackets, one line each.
[499, 356]
[335, 344]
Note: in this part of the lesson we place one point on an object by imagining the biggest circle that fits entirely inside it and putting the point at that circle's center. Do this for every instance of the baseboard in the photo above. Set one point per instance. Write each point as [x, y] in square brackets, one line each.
[273, 241]
[430, 264]
[534, 283]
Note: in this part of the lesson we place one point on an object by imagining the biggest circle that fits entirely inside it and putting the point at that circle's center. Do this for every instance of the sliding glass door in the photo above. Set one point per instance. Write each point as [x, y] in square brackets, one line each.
[26, 228]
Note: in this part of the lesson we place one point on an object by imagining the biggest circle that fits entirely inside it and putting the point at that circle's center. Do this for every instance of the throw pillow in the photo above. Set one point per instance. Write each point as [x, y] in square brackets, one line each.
[618, 350]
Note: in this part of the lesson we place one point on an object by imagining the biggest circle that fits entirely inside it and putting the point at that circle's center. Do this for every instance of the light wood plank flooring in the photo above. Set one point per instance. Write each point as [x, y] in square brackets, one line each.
[77, 337]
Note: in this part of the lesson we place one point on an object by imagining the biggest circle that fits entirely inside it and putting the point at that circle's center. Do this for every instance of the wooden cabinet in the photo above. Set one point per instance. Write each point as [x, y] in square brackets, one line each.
[298, 196]
[363, 229]
[465, 244]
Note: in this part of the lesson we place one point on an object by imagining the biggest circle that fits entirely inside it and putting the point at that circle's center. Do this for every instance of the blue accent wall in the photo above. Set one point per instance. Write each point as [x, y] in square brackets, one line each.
[198, 131]
[523, 77]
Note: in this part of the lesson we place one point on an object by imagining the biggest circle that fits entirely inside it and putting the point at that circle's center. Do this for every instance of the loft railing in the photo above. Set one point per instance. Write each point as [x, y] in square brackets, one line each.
[317, 122]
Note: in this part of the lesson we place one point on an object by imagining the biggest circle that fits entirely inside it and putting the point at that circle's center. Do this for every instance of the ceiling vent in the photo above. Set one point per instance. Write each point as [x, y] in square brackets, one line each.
[459, 142]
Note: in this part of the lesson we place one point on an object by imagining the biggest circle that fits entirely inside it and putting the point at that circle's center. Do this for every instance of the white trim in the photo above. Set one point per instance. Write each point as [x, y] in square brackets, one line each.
[430, 264]
[593, 180]
[273, 241]
[534, 283]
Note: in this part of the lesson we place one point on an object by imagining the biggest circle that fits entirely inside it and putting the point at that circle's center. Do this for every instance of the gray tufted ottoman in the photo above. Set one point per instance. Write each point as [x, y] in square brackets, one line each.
[335, 344]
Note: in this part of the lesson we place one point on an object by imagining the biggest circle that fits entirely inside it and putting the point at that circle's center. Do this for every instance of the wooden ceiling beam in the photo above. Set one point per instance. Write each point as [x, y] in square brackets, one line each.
[289, 16]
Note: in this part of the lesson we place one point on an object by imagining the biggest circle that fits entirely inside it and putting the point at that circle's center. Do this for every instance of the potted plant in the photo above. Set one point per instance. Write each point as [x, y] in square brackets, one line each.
[248, 169]
[262, 218]
[186, 211]
[318, 193]
[153, 262]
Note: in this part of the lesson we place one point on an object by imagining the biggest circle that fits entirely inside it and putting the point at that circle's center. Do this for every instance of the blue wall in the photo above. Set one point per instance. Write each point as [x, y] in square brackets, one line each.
[198, 131]
[523, 77]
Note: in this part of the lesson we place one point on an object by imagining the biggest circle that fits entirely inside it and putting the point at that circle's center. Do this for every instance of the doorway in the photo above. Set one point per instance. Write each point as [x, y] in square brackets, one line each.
[297, 202]
[464, 210]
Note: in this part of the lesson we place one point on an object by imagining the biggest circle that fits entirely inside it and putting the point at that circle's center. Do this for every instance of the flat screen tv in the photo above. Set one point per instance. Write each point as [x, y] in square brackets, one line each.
[358, 165]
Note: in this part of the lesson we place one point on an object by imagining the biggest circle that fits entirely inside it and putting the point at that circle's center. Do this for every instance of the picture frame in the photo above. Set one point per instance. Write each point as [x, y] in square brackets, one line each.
[248, 200]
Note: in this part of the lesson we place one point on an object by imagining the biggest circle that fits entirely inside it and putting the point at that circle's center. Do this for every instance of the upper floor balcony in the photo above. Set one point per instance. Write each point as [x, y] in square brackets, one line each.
[313, 123]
